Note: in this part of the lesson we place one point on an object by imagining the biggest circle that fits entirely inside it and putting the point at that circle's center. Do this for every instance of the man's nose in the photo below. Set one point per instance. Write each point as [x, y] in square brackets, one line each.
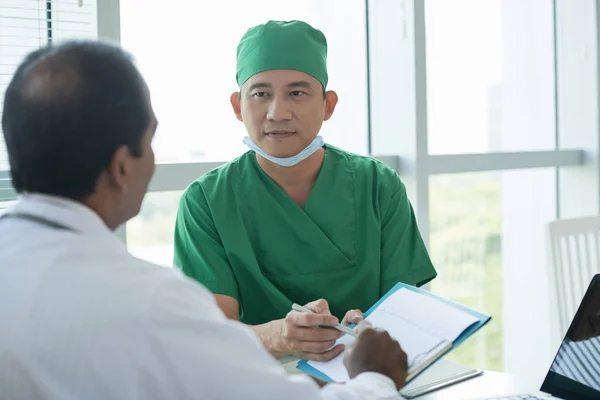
[279, 110]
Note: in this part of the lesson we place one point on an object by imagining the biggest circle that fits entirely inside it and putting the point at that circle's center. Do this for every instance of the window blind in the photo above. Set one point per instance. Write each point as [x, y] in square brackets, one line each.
[25, 25]
[7, 192]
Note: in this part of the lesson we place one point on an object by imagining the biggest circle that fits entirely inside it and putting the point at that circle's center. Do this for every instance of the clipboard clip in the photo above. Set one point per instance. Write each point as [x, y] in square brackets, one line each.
[431, 355]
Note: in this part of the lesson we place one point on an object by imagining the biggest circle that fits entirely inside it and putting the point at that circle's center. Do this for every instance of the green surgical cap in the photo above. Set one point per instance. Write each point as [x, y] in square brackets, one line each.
[282, 45]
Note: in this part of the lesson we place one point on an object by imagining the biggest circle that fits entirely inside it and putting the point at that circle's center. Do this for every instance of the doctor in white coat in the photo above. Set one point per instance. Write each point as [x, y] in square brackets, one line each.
[81, 317]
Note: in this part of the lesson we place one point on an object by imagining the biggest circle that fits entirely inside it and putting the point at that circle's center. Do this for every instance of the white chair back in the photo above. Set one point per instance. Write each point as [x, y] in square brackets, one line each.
[575, 255]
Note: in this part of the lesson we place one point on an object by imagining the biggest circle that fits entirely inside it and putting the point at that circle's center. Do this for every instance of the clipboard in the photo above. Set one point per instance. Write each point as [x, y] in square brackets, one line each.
[482, 320]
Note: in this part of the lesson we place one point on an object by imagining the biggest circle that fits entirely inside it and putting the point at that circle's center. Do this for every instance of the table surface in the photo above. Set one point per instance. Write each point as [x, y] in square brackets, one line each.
[487, 386]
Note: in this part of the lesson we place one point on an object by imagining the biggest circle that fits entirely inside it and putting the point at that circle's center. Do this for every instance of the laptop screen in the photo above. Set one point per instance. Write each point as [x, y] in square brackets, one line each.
[575, 371]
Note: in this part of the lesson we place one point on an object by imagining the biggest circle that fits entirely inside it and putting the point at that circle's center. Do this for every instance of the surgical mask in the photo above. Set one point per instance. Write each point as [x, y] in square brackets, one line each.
[288, 161]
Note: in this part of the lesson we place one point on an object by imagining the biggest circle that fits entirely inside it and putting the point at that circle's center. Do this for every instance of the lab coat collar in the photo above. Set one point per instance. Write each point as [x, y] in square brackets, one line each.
[69, 213]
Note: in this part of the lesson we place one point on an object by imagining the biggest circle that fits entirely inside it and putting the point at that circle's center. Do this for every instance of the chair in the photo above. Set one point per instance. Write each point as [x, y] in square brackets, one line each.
[574, 246]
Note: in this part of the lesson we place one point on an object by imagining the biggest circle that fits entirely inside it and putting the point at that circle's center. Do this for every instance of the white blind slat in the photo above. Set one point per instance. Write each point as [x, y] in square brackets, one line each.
[17, 20]
[66, 28]
[7, 47]
[25, 25]
[9, 9]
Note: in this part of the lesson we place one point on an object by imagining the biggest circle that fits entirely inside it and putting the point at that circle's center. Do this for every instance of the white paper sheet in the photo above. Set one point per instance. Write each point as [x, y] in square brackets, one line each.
[420, 323]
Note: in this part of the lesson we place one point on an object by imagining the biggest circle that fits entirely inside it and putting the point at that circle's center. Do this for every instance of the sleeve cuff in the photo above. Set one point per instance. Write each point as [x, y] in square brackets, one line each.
[216, 287]
[419, 277]
[384, 386]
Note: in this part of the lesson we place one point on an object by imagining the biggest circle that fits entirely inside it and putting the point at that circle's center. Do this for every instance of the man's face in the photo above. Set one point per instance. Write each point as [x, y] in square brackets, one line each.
[283, 110]
[143, 168]
[137, 172]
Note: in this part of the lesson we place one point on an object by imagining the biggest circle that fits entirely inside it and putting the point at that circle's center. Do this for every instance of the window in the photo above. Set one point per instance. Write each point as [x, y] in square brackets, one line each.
[491, 89]
[464, 92]
[490, 75]
[25, 25]
[150, 233]
[189, 64]
[486, 240]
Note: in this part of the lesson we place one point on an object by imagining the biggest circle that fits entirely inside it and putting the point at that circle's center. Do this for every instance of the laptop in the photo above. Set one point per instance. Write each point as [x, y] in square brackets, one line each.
[575, 370]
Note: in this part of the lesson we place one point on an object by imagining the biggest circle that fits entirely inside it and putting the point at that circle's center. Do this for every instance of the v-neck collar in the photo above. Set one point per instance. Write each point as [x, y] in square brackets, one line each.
[322, 175]
[327, 222]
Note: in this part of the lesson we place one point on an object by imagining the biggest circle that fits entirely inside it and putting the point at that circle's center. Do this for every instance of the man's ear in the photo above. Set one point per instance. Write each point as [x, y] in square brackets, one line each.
[120, 168]
[331, 100]
[236, 105]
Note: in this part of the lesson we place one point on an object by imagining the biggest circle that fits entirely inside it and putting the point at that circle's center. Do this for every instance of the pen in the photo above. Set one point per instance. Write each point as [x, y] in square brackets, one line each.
[339, 327]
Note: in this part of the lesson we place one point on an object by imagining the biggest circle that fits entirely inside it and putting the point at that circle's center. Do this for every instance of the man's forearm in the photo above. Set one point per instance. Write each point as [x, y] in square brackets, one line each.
[270, 336]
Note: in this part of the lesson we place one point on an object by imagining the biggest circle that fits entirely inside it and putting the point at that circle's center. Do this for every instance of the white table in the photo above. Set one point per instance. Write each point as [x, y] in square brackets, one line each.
[489, 385]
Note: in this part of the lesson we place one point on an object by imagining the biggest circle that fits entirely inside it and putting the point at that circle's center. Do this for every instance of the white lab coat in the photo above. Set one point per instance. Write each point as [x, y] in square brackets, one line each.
[83, 319]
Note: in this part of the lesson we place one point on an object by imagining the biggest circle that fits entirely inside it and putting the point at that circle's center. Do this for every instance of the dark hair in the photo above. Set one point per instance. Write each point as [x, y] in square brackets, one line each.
[67, 109]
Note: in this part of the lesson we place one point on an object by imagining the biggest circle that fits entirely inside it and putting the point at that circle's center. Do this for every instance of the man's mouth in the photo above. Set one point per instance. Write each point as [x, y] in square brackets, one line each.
[280, 134]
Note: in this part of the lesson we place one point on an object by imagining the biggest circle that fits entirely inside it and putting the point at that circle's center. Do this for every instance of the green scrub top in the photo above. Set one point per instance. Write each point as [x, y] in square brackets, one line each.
[239, 234]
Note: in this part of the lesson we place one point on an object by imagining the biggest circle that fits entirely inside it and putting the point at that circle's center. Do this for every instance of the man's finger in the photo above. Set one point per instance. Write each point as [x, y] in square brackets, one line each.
[353, 317]
[314, 334]
[329, 355]
[319, 306]
[315, 347]
[362, 326]
[307, 320]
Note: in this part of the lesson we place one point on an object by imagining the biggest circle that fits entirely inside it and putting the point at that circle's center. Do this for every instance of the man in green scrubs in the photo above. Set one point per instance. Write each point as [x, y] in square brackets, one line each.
[295, 220]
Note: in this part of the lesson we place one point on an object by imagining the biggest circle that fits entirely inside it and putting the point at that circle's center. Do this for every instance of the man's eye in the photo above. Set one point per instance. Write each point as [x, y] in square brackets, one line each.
[259, 94]
[297, 93]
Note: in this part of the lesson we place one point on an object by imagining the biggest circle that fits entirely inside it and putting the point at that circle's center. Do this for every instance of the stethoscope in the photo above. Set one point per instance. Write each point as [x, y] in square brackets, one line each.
[38, 220]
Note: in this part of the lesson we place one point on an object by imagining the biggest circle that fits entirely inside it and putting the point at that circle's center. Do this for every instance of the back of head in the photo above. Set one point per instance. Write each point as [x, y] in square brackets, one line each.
[67, 109]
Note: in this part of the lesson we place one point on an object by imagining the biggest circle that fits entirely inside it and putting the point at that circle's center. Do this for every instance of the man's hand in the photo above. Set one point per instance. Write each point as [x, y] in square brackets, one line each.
[376, 351]
[305, 335]
[353, 317]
